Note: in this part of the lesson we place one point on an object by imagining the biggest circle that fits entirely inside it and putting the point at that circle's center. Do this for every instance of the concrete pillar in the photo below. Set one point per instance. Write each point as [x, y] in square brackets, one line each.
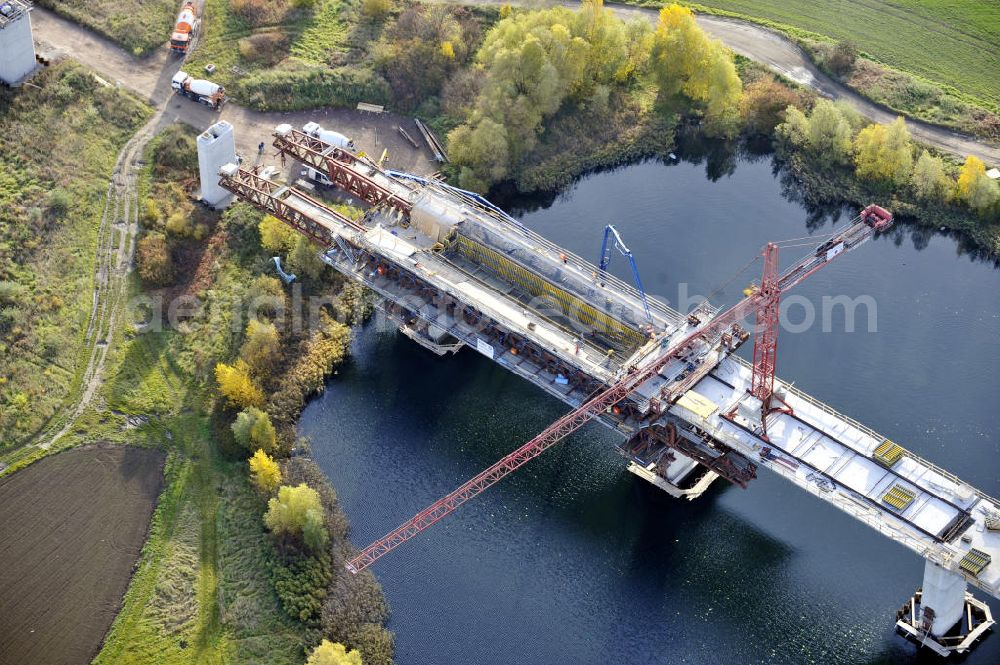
[216, 148]
[17, 48]
[944, 592]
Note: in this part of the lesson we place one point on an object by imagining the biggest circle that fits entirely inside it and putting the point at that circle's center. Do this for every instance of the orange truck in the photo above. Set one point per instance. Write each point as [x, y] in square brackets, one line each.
[184, 30]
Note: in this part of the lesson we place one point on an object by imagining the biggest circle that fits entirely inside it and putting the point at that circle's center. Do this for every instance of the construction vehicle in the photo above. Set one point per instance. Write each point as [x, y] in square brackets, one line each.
[200, 90]
[336, 139]
[180, 40]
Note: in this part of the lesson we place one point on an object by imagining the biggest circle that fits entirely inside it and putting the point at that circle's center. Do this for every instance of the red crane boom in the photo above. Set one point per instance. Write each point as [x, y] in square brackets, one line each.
[764, 299]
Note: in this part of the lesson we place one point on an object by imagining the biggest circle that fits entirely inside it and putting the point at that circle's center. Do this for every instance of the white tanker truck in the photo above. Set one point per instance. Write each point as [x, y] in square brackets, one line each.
[335, 139]
[200, 90]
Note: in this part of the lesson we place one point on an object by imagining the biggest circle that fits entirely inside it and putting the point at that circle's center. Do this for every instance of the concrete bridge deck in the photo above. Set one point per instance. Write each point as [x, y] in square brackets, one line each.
[453, 272]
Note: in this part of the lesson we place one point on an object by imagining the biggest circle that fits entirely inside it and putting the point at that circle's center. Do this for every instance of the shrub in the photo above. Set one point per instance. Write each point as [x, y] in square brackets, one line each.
[309, 88]
[253, 429]
[301, 584]
[175, 149]
[376, 9]
[267, 48]
[59, 201]
[259, 12]
[763, 105]
[299, 513]
[330, 653]
[842, 58]
[156, 267]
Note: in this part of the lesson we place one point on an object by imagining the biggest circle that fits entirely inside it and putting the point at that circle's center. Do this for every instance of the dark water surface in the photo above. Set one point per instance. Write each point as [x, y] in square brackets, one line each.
[575, 561]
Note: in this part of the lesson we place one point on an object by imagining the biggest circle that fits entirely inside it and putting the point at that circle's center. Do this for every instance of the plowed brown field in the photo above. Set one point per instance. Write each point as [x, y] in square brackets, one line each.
[71, 529]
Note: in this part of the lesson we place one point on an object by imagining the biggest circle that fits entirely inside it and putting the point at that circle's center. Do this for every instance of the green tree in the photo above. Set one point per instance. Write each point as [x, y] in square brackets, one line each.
[237, 386]
[825, 133]
[304, 258]
[333, 653]
[929, 178]
[253, 429]
[295, 511]
[482, 152]
[829, 131]
[884, 152]
[262, 349]
[275, 235]
[529, 65]
[265, 471]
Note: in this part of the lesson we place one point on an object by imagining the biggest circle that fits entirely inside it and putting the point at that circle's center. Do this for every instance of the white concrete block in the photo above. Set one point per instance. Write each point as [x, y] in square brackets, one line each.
[17, 48]
[216, 149]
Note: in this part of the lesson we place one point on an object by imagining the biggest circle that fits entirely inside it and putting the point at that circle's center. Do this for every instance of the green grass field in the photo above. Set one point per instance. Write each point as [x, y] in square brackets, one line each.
[138, 26]
[58, 142]
[950, 42]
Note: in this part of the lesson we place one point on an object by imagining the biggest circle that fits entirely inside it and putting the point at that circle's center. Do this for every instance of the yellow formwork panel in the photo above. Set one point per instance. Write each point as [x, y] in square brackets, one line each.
[898, 497]
[888, 453]
[698, 404]
[572, 306]
[975, 561]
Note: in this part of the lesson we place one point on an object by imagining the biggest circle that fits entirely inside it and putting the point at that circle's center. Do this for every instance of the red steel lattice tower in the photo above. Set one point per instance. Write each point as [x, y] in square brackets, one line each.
[765, 344]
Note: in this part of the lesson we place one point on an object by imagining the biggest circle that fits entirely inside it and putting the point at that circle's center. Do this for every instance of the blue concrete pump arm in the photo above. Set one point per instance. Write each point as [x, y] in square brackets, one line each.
[611, 232]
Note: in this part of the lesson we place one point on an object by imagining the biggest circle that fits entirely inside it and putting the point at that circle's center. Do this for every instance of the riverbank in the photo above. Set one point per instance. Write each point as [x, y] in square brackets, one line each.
[951, 87]
[204, 587]
[210, 545]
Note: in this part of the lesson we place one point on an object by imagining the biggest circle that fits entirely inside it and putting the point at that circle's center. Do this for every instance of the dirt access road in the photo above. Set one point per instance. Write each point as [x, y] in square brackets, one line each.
[150, 78]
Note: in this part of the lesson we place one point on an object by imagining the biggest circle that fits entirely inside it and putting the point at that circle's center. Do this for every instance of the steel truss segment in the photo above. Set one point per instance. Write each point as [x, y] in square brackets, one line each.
[263, 194]
[339, 165]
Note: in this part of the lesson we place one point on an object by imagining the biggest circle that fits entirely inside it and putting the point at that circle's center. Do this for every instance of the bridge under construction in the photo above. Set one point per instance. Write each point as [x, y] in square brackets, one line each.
[453, 270]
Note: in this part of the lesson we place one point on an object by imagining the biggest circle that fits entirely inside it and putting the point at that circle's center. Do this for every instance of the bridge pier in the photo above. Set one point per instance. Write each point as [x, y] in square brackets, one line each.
[942, 615]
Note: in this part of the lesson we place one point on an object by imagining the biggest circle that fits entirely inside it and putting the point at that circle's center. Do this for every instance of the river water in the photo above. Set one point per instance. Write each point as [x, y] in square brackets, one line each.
[575, 561]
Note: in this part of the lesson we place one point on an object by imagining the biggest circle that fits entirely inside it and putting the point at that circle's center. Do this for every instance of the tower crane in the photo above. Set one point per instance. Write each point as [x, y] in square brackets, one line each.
[763, 301]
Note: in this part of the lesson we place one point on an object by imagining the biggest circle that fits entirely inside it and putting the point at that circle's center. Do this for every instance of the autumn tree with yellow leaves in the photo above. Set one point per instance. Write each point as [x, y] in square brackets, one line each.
[333, 653]
[975, 187]
[884, 153]
[237, 385]
[688, 62]
[264, 471]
